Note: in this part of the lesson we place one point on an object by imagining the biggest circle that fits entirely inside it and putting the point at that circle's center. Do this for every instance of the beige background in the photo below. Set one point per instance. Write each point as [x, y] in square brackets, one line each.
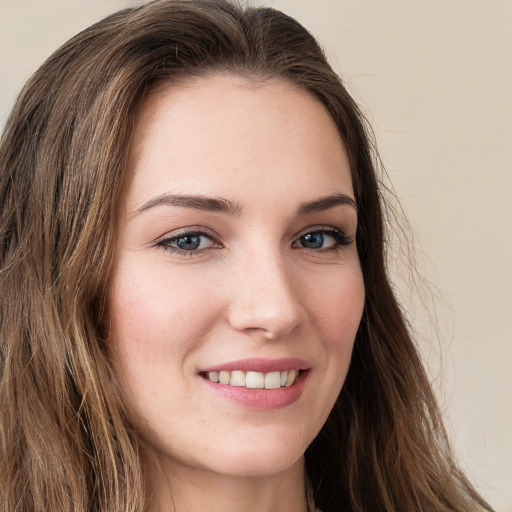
[435, 80]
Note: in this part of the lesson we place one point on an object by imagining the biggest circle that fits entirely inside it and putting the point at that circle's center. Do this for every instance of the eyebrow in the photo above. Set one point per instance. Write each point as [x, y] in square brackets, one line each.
[324, 203]
[221, 205]
[196, 202]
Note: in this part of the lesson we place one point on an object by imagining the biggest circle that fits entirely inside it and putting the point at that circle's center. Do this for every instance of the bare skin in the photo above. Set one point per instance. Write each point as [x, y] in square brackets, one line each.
[236, 247]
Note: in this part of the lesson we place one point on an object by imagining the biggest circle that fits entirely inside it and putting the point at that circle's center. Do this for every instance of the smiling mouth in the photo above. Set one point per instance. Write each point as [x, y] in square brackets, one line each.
[254, 380]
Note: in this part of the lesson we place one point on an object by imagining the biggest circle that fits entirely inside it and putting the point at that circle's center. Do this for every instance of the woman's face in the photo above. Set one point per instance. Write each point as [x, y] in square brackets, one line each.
[235, 261]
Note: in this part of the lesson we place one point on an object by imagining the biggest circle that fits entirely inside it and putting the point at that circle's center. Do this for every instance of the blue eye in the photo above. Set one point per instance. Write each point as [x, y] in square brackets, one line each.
[187, 242]
[312, 240]
[325, 239]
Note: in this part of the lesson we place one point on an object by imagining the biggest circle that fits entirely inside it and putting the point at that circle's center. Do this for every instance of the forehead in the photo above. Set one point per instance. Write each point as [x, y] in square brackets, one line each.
[222, 134]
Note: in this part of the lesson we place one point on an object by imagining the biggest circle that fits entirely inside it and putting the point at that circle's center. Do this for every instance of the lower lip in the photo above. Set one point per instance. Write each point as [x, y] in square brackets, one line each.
[261, 399]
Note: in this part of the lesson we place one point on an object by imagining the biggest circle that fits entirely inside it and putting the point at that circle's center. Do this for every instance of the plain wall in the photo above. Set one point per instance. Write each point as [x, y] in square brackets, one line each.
[435, 80]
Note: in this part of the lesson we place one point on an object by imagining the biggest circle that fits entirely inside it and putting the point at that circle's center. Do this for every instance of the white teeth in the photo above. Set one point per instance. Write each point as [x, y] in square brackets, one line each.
[290, 378]
[224, 377]
[237, 379]
[273, 380]
[255, 380]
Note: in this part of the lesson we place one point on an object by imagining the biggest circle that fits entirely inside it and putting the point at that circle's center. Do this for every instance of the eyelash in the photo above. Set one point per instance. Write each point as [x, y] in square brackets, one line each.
[165, 243]
[340, 240]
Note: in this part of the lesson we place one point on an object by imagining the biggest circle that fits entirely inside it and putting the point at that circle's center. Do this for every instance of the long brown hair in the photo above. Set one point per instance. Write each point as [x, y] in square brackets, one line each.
[66, 443]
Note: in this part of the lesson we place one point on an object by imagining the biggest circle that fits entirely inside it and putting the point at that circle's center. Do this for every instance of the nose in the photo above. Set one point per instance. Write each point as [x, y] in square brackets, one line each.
[264, 298]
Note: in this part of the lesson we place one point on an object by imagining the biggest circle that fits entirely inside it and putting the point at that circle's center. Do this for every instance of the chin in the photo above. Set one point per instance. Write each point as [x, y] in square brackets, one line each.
[269, 453]
[259, 465]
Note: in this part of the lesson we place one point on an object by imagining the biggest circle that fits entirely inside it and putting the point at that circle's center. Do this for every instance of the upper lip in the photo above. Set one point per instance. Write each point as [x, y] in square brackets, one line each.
[260, 365]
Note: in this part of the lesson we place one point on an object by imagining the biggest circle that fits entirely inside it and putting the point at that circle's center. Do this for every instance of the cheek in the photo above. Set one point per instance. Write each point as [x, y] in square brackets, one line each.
[338, 308]
[157, 318]
[335, 311]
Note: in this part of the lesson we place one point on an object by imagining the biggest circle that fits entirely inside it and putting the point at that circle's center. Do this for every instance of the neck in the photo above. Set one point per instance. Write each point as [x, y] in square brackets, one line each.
[176, 488]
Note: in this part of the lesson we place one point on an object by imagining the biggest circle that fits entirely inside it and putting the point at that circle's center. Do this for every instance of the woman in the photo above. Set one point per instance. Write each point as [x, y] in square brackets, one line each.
[198, 315]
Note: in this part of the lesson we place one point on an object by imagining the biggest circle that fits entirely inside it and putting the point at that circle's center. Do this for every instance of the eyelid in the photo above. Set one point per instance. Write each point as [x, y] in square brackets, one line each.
[321, 228]
[164, 242]
[343, 238]
[190, 230]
